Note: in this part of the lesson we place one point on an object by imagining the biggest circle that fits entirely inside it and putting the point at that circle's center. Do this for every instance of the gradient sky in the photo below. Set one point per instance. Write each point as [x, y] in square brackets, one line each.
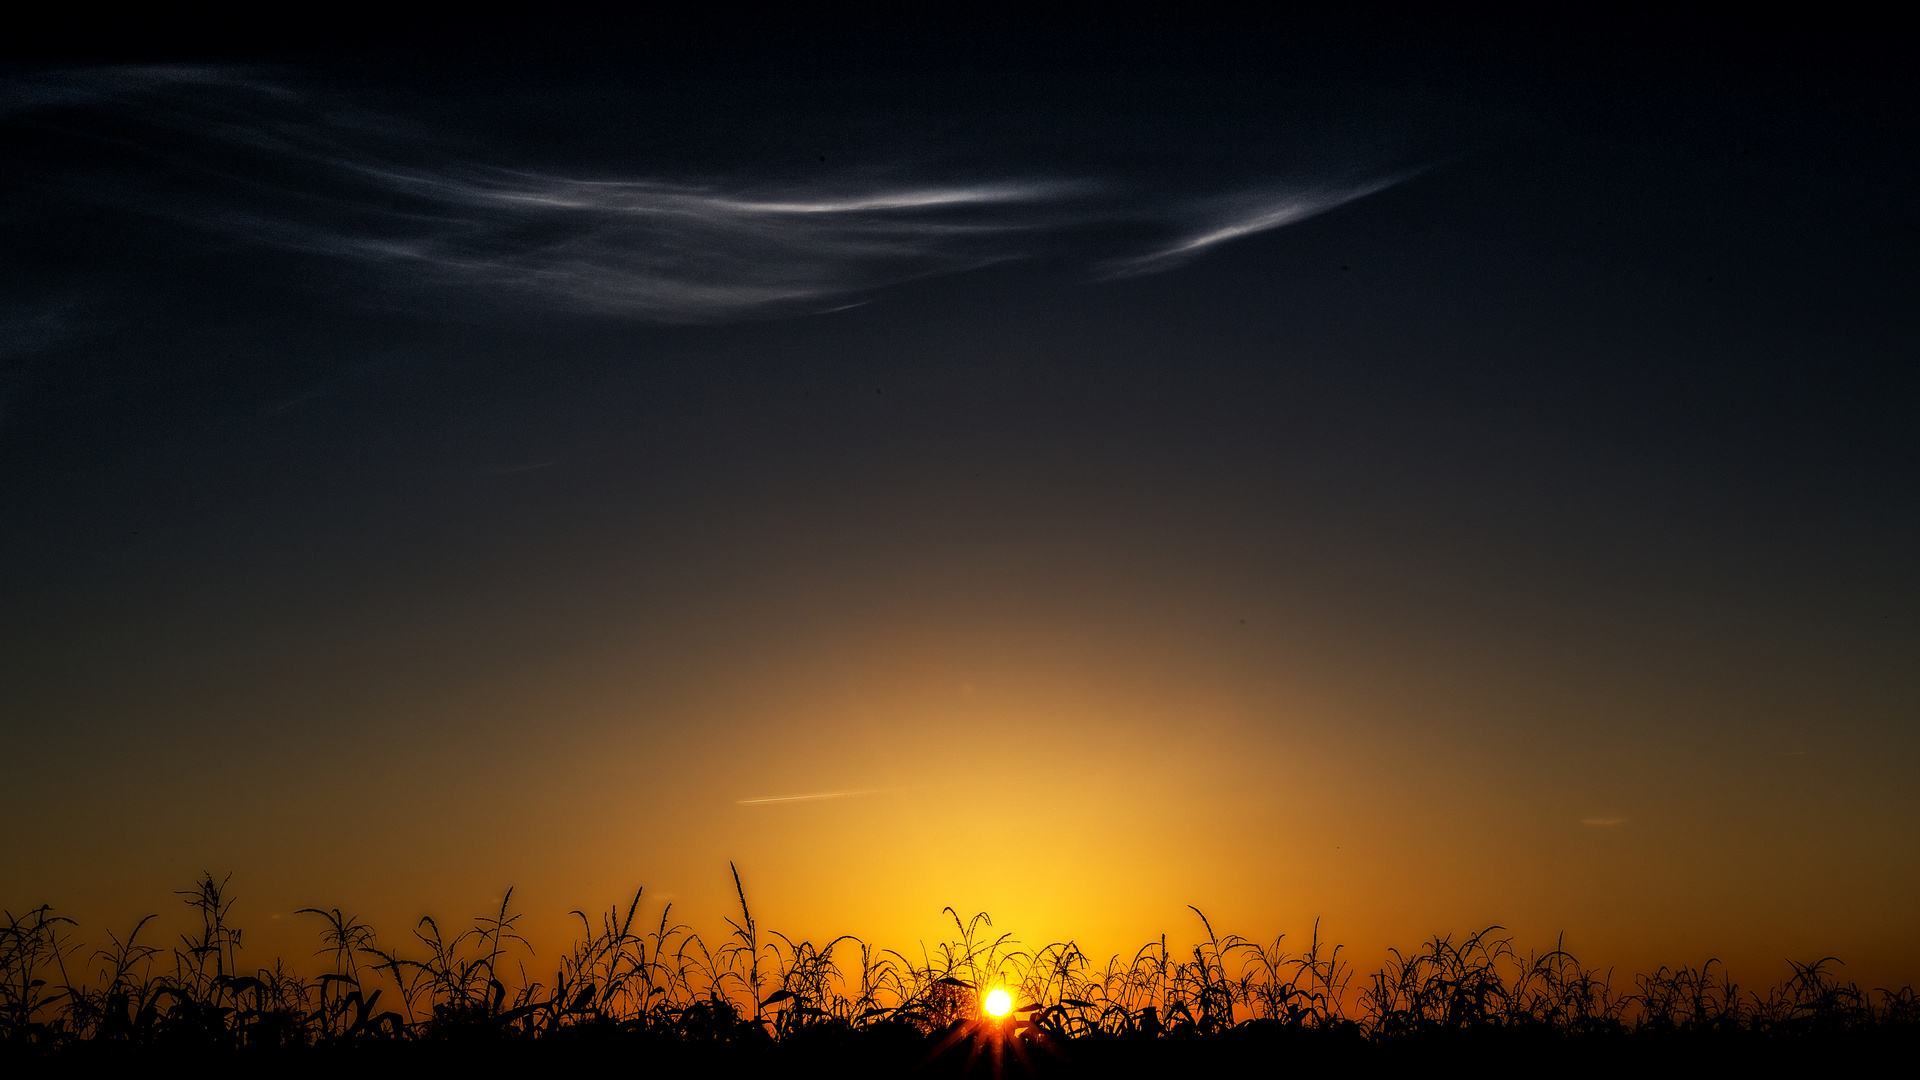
[1420, 477]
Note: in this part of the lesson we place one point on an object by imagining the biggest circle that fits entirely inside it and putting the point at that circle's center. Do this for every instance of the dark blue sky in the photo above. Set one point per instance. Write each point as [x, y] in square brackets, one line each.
[1543, 395]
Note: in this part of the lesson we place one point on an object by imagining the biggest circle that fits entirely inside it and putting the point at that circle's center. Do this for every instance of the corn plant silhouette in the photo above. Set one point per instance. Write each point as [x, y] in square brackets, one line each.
[981, 1032]
[29, 946]
[994, 1037]
[660, 982]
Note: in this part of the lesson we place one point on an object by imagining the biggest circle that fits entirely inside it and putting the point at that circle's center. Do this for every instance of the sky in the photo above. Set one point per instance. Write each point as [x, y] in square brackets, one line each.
[1413, 475]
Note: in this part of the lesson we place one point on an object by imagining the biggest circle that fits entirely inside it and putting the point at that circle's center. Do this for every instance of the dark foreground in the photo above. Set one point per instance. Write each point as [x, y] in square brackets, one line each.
[629, 1001]
[901, 1051]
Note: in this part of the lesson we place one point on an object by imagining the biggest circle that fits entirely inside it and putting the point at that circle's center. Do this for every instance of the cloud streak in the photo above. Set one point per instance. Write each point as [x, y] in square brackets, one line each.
[249, 160]
[807, 798]
[1243, 215]
[671, 251]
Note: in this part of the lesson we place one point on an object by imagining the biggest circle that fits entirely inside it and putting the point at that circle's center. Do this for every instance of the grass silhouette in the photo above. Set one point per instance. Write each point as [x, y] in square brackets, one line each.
[754, 1000]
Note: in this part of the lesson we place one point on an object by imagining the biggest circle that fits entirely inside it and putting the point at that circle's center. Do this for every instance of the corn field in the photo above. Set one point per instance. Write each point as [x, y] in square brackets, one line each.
[660, 981]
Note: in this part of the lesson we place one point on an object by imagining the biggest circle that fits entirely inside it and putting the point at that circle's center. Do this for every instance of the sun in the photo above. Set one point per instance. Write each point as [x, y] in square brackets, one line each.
[998, 1002]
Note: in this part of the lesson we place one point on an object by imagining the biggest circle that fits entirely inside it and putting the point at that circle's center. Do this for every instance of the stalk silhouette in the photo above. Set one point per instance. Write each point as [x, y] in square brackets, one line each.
[660, 982]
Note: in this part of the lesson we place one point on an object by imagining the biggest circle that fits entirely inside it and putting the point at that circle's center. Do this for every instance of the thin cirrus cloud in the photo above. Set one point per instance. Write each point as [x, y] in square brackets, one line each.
[815, 797]
[1217, 221]
[674, 251]
[252, 160]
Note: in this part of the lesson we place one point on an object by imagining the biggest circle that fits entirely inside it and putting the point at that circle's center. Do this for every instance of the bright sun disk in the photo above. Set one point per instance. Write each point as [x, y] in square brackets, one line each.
[999, 1002]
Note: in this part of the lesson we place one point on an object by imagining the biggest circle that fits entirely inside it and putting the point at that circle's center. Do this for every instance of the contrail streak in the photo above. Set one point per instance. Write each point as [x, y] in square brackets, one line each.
[808, 798]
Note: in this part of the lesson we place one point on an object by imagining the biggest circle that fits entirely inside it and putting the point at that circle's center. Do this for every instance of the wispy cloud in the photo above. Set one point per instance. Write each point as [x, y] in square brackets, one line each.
[255, 161]
[667, 250]
[32, 327]
[29, 328]
[1217, 221]
[815, 797]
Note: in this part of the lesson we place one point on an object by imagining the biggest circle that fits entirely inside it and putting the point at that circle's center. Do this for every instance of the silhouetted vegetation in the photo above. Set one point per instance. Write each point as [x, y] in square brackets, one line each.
[658, 992]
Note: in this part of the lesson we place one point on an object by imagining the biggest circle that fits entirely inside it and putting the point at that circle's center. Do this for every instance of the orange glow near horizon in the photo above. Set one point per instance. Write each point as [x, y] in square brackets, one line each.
[844, 743]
